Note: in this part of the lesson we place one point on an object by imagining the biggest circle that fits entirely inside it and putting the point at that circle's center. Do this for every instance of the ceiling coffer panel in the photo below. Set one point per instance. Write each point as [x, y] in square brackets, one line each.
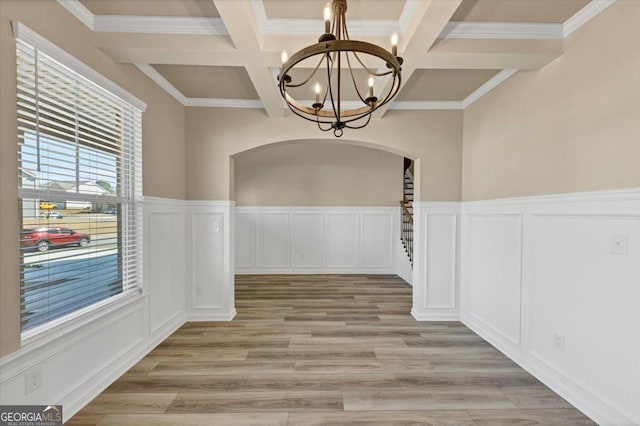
[191, 8]
[443, 84]
[531, 11]
[196, 81]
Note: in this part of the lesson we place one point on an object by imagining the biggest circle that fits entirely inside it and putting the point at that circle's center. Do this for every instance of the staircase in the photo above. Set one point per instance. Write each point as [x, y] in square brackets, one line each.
[406, 231]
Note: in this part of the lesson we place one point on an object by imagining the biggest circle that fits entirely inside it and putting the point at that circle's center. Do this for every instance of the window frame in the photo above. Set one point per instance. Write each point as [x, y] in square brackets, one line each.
[130, 195]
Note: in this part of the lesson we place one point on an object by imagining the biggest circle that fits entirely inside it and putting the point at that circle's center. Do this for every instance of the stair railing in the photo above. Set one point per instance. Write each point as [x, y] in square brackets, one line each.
[406, 233]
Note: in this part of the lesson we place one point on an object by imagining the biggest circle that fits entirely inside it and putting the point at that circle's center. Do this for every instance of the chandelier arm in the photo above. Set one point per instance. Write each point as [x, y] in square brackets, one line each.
[320, 127]
[329, 74]
[376, 73]
[333, 105]
[361, 126]
[353, 79]
[307, 80]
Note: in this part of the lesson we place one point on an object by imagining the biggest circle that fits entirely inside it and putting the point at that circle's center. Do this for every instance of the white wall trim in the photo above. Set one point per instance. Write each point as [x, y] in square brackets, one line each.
[492, 83]
[157, 78]
[424, 282]
[78, 10]
[210, 250]
[434, 316]
[606, 212]
[358, 257]
[159, 25]
[502, 30]
[583, 16]
[223, 103]
[427, 105]
[622, 195]
[103, 377]
[208, 316]
[26, 34]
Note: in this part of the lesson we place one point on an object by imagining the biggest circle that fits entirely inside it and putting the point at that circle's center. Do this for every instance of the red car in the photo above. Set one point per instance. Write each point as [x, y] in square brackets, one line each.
[43, 238]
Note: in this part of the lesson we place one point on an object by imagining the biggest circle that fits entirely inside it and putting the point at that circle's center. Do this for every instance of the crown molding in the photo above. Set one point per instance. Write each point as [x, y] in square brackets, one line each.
[162, 82]
[159, 25]
[488, 86]
[223, 103]
[584, 15]
[502, 30]
[427, 105]
[78, 10]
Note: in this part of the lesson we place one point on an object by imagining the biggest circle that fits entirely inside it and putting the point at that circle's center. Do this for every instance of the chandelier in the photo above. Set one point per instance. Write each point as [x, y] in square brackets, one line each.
[327, 67]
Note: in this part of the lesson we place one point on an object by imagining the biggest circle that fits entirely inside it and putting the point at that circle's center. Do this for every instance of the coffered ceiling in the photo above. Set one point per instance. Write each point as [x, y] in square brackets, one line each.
[226, 53]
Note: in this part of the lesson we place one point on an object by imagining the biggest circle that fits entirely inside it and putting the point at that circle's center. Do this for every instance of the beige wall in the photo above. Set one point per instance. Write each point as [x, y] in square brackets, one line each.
[214, 135]
[571, 126]
[163, 134]
[318, 174]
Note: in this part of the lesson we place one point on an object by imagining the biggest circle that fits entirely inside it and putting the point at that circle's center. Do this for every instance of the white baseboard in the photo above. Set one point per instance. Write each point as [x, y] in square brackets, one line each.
[211, 316]
[315, 271]
[98, 382]
[431, 316]
[584, 401]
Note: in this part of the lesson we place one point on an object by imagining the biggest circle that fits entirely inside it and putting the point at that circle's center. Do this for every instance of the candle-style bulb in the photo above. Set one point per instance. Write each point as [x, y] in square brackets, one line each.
[370, 83]
[284, 56]
[327, 18]
[394, 44]
[317, 89]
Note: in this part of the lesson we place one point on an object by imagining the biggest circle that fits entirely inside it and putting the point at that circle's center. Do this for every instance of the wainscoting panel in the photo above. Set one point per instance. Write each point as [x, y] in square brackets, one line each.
[80, 359]
[316, 240]
[211, 250]
[493, 259]
[436, 261]
[165, 275]
[245, 234]
[553, 282]
[377, 240]
[307, 240]
[441, 261]
[272, 240]
[342, 240]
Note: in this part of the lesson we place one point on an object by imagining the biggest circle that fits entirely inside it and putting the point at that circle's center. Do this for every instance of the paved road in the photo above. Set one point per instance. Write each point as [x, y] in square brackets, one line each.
[66, 279]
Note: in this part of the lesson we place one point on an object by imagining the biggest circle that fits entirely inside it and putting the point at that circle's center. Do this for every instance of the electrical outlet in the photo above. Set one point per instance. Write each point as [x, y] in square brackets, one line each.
[558, 342]
[198, 291]
[33, 380]
[620, 244]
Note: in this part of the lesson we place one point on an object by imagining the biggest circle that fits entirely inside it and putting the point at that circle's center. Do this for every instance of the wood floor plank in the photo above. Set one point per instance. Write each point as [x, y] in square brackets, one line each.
[387, 418]
[444, 398]
[107, 403]
[326, 350]
[256, 401]
[537, 417]
[209, 419]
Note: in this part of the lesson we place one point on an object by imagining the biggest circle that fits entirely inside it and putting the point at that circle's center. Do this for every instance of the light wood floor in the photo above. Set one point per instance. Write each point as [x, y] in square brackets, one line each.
[331, 350]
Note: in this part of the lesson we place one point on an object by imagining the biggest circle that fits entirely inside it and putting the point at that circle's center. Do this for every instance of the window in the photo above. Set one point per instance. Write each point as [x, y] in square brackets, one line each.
[80, 186]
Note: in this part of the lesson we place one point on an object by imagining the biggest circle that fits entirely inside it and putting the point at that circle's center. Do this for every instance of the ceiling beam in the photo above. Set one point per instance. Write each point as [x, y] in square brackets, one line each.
[239, 19]
[422, 31]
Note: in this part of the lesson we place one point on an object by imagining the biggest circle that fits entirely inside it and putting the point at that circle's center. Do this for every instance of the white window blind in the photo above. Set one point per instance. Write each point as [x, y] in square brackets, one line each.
[80, 186]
